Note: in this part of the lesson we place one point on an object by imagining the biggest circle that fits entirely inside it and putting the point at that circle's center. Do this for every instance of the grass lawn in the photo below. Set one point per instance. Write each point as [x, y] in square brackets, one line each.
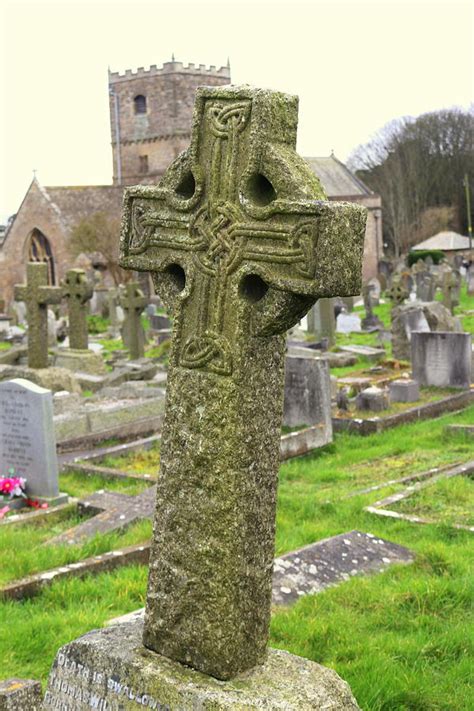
[399, 638]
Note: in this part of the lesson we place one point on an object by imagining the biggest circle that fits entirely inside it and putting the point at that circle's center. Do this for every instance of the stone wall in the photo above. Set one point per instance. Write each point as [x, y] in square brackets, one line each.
[163, 130]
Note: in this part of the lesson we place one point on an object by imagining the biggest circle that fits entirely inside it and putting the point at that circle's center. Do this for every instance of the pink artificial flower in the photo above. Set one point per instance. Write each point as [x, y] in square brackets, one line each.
[4, 511]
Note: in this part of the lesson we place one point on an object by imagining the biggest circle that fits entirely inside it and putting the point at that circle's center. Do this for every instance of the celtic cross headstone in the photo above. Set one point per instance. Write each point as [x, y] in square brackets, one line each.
[133, 301]
[240, 244]
[37, 294]
[77, 291]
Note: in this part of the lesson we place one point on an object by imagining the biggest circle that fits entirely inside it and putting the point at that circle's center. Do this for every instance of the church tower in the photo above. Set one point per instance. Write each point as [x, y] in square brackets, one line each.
[150, 116]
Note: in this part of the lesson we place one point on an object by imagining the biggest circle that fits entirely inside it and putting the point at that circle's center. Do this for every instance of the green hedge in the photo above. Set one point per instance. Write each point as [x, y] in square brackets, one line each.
[435, 254]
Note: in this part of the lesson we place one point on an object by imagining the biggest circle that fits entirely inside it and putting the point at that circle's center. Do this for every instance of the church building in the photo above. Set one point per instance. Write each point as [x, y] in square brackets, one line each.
[150, 118]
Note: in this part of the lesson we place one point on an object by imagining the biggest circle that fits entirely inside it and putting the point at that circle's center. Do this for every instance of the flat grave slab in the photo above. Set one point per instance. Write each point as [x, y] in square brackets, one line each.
[331, 561]
[364, 351]
[382, 507]
[113, 512]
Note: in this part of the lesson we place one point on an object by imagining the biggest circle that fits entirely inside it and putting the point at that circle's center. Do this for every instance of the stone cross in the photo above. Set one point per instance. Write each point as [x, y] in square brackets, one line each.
[240, 244]
[450, 289]
[397, 294]
[77, 291]
[133, 301]
[37, 295]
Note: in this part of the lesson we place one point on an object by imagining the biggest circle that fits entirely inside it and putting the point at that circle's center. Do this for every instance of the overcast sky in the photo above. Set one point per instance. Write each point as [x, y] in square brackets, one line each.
[355, 66]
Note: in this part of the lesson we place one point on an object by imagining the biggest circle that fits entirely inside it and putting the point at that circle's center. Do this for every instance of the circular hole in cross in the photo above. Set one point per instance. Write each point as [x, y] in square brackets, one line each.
[253, 288]
[178, 276]
[186, 186]
[260, 190]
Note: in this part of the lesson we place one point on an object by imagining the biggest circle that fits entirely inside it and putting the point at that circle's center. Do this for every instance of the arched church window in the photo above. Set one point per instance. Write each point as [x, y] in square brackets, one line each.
[39, 250]
[140, 104]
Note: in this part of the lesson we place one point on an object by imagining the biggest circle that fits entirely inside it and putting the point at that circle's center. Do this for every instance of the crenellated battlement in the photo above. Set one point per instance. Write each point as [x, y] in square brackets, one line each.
[172, 67]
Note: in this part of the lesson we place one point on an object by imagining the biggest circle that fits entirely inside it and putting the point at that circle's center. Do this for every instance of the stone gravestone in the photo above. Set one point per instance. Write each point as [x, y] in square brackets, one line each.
[27, 440]
[37, 295]
[240, 243]
[133, 301]
[321, 320]
[307, 398]
[470, 280]
[370, 322]
[442, 359]
[116, 315]
[406, 319]
[77, 291]
[425, 287]
[450, 290]
[348, 323]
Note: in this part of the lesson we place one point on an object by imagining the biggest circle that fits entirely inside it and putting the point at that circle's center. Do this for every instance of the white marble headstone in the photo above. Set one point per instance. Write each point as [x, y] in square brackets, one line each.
[348, 323]
[27, 440]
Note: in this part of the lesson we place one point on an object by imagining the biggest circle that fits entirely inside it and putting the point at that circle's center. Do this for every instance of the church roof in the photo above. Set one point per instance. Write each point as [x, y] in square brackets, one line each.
[77, 202]
[444, 241]
[336, 178]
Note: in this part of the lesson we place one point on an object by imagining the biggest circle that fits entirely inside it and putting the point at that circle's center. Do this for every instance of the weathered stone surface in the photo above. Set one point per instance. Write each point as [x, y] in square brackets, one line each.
[307, 399]
[116, 669]
[373, 398]
[77, 291]
[439, 318]
[110, 511]
[53, 379]
[81, 361]
[37, 295]
[239, 245]
[27, 441]
[365, 351]
[442, 359]
[321, 320]
[328, 562]
[404, 391]
[406, 319]
[20, 695]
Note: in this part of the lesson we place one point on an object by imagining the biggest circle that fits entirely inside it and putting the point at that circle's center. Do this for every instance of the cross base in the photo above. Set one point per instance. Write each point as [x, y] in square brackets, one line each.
[110, 668]
[81, 361]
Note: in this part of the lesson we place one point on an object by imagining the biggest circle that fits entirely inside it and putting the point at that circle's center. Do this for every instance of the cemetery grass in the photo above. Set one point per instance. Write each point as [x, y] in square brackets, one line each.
[448, 501]
[399, 638]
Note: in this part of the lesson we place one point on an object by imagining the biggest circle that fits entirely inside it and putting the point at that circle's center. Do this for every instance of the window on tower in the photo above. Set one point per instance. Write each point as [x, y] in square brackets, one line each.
[140, 104]
[143, 164]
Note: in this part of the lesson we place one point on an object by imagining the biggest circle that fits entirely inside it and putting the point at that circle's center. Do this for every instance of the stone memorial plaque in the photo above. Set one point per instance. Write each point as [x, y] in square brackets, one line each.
[27, 440]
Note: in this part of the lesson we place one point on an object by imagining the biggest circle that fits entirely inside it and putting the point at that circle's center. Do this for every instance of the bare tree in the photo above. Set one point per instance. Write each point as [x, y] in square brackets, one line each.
[415, 165]
[99, 233]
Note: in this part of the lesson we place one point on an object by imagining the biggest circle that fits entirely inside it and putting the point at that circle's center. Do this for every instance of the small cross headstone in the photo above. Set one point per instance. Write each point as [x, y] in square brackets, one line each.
[370, 322]
[450, 290]
[37, 295]
[77, 291]
[133, 301]
[27, 439]
[397, 294]
[239, 246]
